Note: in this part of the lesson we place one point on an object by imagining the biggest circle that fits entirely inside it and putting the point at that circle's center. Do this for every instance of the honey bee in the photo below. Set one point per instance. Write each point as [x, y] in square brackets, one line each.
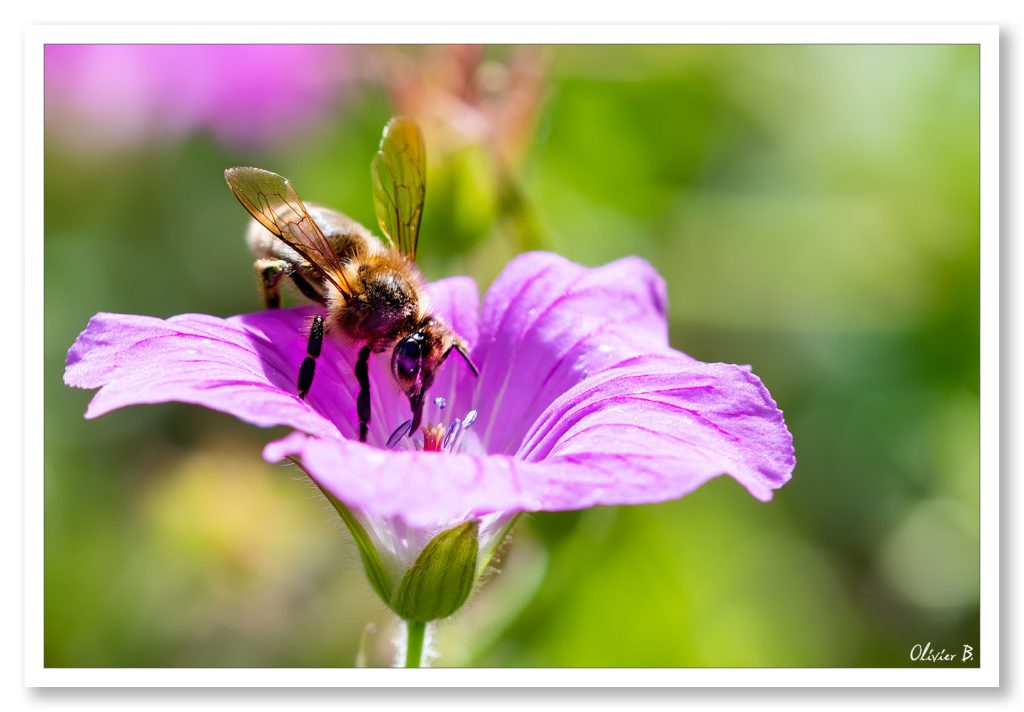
[371, 290]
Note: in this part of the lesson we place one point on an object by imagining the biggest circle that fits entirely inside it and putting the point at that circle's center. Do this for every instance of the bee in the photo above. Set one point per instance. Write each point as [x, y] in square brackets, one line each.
[371, 290]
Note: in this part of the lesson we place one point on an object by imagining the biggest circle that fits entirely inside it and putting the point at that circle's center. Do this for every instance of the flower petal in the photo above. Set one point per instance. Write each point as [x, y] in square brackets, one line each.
[651, 431]
[457, 301]
[426, 490]
[658, 429]
[247, 366]
[548, 324]
[239, 366]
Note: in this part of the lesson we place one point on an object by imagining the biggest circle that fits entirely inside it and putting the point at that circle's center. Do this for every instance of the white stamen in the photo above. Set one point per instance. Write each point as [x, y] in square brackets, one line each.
[399, 433]
[456, 445]
[440, 402]
[449, 437]
[452, 439]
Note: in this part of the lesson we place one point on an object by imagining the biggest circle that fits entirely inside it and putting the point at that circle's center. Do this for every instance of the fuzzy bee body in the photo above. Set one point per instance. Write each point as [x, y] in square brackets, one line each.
[387, 299]
[349, 240]
[372, 291]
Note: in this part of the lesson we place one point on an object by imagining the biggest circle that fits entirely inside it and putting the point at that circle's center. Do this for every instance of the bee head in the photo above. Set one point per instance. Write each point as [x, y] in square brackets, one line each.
[416, 359]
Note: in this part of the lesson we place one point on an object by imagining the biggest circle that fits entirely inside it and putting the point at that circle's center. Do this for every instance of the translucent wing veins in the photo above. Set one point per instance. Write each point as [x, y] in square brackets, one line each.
[271, 199]
[399, 183]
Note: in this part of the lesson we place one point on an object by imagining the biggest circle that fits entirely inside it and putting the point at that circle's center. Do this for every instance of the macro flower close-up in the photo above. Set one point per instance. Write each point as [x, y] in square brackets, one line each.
[590, 357]
[580, 402]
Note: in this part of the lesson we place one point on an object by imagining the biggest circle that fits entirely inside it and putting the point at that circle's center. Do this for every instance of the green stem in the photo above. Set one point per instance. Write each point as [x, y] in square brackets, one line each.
[415, 633]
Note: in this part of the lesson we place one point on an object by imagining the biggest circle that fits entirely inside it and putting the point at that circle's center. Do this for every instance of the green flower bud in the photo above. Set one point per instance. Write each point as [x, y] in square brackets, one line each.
[441, 579]
[438, 582]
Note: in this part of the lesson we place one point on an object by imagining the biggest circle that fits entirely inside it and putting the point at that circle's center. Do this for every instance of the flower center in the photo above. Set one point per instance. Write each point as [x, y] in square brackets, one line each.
[436, 437]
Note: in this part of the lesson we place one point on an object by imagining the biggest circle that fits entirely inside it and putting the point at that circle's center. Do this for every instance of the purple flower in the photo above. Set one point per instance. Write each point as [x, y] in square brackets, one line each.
[243, 94]
[580, 402]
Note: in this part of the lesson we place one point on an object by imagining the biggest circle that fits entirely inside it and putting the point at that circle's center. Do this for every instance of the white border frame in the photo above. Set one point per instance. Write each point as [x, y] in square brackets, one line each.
[986, 36]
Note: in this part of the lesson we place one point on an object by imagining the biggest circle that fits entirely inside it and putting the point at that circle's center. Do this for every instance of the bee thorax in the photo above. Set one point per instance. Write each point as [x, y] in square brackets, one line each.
[383, 307]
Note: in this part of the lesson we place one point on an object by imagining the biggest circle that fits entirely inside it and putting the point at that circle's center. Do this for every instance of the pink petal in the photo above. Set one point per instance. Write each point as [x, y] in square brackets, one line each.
[459, 304]
[248, 366]
[548, 324]
[656, 430]
[648, 432]
[225, 364]
[423, 489]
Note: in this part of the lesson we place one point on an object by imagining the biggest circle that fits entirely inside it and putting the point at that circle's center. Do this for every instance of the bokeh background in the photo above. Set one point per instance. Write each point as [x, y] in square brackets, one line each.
[814, 209]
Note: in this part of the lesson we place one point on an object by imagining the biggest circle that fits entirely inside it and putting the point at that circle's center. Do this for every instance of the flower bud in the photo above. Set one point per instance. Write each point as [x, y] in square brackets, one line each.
[440, 580]
[437, 583]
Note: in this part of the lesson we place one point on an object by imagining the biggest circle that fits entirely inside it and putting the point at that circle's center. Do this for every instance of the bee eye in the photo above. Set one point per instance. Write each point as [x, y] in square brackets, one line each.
[407, 358]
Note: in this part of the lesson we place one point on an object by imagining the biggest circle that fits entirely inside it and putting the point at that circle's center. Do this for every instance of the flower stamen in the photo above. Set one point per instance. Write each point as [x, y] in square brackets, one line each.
[436, 438]
[400, 432]
[454, 444]
[449, 437]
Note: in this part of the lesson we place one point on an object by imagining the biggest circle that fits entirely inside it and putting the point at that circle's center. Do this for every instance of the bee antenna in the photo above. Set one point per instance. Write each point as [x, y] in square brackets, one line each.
[467, 359]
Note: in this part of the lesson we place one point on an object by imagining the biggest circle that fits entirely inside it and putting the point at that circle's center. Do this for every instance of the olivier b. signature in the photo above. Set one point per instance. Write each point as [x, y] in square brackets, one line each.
[927, 654]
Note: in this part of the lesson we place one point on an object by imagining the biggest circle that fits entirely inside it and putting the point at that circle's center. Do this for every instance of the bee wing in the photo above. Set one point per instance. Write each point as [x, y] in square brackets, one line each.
[272, 200]
[399, 183]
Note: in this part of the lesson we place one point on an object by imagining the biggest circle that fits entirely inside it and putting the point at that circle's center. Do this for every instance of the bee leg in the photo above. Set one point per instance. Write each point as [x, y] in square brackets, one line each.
[313, 347]
[270, 273]
[363, 401]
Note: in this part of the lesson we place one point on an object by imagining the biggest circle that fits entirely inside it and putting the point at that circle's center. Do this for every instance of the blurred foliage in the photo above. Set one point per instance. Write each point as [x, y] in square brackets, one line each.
[814, 211]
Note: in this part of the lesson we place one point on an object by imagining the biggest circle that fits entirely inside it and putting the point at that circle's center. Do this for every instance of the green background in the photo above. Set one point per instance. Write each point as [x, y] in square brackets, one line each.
[815, 212]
